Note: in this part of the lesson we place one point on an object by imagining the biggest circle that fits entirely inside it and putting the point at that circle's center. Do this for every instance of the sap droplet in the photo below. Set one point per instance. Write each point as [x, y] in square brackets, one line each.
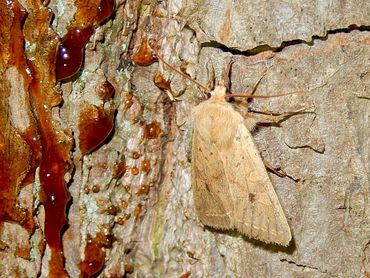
[105, 10]
[129, 268]
[124, 204]
[144, 189]
[145, 165]
[135, 155]
[122, 220]
[161, 83]
[71, 52]
[119, 170]
[152, 130]
[105, 91]
[128, 101]
[127, 188]
[95, 189]
[145, 56]
[134, 171]
[95, 124]
[137, 211]
[186, 275]
[94, 254]
[112, 210]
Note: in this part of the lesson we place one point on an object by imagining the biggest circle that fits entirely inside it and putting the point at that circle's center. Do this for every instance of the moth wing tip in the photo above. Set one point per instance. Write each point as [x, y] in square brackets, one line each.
[285, 242]
[284, 238]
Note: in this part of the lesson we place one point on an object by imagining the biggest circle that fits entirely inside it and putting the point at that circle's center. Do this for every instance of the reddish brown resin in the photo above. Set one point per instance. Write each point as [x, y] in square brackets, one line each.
[14, 172]
[152, 130]
[105, 10]
[129, 268]
[128, 101]
[122, 219]
[143, 190]
[95, 124]
[124, 204]
[53, 166]
[105, 91]
[134, 171]
[119, 170]
[145, 165]
[186, 275]
[71, 51]
[94, 255]
[56, 143]
[43, 144]
[112, 210]
[95, 189]
[144, 56]
[137, 211]
[161, 83]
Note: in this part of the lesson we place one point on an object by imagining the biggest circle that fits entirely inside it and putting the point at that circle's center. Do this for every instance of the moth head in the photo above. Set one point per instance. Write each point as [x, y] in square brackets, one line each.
[219, 93]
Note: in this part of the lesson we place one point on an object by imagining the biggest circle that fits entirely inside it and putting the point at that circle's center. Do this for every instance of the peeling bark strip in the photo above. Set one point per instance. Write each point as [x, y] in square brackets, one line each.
[226, 169]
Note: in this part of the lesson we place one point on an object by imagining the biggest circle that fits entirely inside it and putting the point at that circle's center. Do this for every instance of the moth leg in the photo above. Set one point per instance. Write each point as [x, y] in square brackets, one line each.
[277, 171]
[255, 85]
[252, 118]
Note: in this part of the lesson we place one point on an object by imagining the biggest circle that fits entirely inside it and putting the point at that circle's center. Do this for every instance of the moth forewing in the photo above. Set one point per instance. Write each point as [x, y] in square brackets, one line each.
[231, 187]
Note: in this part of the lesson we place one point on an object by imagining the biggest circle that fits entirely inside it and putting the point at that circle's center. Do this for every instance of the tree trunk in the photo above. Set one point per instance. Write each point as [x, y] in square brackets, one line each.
[125, 158]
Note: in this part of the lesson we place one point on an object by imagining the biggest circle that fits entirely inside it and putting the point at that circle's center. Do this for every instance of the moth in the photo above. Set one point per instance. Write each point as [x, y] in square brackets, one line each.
[231, 187]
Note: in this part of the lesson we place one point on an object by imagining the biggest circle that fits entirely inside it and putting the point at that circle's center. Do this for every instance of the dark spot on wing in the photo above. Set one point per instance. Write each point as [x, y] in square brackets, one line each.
[252, 197]
[207, 187]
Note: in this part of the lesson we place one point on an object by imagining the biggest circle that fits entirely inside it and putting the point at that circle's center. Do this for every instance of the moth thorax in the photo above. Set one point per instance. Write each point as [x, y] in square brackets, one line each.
[219, 93]
[222, 138]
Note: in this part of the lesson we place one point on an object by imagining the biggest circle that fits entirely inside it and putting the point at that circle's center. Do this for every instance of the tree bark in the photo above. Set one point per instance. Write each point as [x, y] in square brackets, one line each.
[131, 210]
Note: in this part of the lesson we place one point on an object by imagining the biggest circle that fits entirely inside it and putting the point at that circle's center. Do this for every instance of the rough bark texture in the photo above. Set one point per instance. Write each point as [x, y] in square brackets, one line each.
[143, 217]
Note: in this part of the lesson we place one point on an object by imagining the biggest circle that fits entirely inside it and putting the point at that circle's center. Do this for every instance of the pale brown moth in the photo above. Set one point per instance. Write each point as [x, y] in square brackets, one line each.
[231, 187]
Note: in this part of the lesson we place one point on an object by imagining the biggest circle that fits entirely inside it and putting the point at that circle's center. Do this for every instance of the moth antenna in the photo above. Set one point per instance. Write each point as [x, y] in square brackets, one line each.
[252, 96]
[211, 76]
[181, 73]
[254, 88]
[153, 45]
[224, 82]
[227, 75]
